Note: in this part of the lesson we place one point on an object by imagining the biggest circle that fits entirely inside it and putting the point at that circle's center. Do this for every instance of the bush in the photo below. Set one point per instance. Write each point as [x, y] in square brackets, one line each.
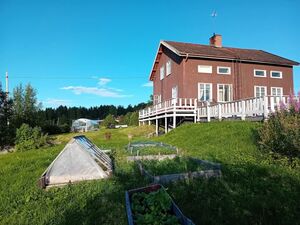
[28, 138]
[280, 134]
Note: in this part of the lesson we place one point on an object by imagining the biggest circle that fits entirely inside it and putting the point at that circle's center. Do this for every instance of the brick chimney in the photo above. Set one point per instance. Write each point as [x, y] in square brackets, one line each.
[216, 40]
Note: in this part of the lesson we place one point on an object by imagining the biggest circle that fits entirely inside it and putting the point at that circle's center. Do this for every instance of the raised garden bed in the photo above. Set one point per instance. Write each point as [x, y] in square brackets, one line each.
[141, 148]
[153, 205]
[179, 168]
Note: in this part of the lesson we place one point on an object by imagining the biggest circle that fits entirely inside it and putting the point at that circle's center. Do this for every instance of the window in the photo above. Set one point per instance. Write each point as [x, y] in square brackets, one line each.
[156, 99]
[276, 91]
[168, 66]
[204, 92]
[260, 91]
[224, 70]
[175, 92]
[276, 74]
[224, 92]
[259, 73]
[162, 72]
[204, 69]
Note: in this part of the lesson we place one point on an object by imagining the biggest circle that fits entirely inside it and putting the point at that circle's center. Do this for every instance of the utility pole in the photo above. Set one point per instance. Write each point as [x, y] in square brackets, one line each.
[6, 79]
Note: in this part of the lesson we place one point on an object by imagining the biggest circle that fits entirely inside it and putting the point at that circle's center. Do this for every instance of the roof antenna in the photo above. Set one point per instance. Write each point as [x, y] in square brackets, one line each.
[214, 15]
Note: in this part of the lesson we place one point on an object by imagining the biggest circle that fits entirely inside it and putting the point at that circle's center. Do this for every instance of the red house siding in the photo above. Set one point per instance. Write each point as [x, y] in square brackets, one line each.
[184, 74]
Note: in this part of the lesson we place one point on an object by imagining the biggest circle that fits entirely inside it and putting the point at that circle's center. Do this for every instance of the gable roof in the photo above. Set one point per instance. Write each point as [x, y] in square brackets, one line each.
[222, 53]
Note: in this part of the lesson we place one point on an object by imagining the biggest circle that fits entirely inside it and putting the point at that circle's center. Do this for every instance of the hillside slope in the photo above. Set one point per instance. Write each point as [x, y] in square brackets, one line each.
[253, 189]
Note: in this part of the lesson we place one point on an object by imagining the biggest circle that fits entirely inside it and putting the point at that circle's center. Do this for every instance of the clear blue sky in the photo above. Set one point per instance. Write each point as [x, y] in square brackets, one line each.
[87, 53]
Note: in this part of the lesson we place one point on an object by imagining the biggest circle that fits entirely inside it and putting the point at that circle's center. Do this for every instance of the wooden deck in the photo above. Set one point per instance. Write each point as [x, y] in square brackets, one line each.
[171, 113]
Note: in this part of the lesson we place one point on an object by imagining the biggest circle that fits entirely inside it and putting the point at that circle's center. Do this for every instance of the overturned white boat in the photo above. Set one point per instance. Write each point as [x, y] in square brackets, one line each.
[80, 160]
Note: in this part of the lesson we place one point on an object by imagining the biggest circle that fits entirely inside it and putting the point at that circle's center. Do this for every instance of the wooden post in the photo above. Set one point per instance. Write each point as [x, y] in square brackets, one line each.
[166, 124]
[219, 111]
[149, 122]
[174, 120]
[208, 111]
[272, 107]
[243, 110]
[266, 107]
[156, 127]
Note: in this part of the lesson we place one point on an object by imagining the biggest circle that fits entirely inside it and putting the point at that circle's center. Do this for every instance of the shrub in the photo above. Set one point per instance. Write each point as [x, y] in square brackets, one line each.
[28, 138]
[109, 121]
[280, 134]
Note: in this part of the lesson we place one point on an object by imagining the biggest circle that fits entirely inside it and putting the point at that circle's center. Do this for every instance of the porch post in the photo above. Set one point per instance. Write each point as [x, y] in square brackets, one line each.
[219, 111]
[208, 111]
[243, 110]
[266, 107]
[156, 126]
[166, 124]
[174, 120]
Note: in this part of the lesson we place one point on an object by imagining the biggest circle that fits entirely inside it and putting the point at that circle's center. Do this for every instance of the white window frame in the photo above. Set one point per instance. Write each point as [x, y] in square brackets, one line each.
[173, 91]
[265, 73]
[168, 67]
[210, 91]
[277, 88]
[260, 87]
[230, 92]
[222, 67]
[205, 69]
[273, 71]
[162, 72]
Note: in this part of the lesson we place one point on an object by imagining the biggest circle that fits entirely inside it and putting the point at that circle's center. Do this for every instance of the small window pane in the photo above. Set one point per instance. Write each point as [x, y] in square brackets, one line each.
[276, 74]
[204, 69]
[223, 70]
[168, 66]
[260, 73]
[162, 72]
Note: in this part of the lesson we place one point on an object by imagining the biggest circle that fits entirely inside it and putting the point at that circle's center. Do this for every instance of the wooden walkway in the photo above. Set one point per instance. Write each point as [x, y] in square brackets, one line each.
[171, 113]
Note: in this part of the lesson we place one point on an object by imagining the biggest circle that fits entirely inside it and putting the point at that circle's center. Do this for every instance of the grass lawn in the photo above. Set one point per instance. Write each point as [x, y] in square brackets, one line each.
[251, 191]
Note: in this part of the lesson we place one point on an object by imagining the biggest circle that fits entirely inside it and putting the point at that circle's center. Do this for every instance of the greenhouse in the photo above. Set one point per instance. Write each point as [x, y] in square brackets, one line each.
[84, 125]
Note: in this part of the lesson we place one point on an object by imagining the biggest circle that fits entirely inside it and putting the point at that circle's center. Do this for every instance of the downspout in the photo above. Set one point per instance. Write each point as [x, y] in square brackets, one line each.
[183, 76]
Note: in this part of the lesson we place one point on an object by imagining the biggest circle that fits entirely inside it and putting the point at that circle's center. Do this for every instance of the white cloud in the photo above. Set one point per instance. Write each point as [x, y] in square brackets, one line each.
[148, 84]
[53, 102]
[103, 81]
[103, 92]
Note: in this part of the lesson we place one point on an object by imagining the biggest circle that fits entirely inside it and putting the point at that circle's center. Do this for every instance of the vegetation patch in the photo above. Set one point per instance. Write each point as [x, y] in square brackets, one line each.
[153, 208]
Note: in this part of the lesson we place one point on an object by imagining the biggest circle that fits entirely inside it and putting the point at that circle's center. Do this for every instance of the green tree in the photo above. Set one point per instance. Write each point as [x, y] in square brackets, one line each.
[134, 118]
[26, 107]
[6, 130]
[109, 120]
[30, 105]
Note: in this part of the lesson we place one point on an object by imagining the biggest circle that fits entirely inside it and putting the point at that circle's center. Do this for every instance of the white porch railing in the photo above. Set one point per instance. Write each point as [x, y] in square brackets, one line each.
[171, 105]
[251, 107]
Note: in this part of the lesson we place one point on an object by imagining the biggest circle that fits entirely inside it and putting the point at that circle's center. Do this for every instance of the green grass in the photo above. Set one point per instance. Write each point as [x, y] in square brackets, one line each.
[251, 191]
[172, 166]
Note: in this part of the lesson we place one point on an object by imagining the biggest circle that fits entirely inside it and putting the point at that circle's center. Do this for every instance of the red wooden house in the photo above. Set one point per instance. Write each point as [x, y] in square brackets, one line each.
[191, 74]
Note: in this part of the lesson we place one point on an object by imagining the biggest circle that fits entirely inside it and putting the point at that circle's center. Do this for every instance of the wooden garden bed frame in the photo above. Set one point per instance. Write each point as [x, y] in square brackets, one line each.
[213, 171]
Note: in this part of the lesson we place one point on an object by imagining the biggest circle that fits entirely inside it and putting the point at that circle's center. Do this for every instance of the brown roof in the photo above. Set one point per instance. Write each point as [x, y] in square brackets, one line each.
[206, 51]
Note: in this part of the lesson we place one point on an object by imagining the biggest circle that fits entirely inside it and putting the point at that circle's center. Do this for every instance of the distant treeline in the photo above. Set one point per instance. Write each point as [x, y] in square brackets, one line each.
[65, 115]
